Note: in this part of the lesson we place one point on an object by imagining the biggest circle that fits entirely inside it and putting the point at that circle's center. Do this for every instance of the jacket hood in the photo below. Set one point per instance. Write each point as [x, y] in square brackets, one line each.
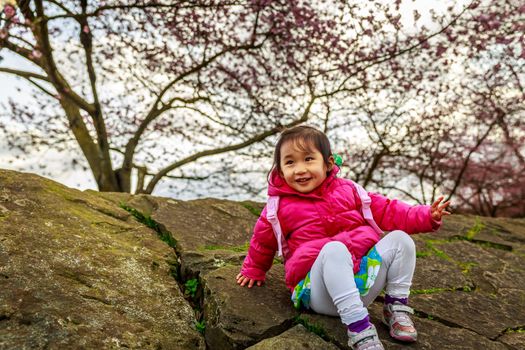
[278, 187]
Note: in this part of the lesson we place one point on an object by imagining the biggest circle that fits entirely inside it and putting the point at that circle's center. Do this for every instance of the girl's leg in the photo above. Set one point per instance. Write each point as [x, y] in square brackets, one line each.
[333, 289]
[334, 292]
[398, 253]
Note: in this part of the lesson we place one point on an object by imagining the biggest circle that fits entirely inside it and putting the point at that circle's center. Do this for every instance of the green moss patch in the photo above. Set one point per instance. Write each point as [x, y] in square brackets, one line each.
[441, 290]
[238, 249]
[482, 243]
[520, 329]
[466, 266]
[252, 209]
[311, 327]
[432, 245]
[165, 236]
[474, 230]
[423, 254]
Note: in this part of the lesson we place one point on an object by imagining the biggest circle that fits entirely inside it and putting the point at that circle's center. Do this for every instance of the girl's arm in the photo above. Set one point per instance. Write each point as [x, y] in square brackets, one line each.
[392, 214]
[261, 252]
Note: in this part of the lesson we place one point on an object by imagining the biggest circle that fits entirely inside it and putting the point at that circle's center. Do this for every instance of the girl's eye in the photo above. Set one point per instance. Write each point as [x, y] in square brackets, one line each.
[288, 162]
[309, 159]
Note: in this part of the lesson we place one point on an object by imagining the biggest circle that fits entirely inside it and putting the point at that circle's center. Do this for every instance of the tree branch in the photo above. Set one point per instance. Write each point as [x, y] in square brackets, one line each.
[101, 9]
[96, 113]
[155, 111]
[254, 139]
[405, 192]
[47, 62]
[42, 88]
[24, 74]
[19, 50]
[387, 57]
[467, 159]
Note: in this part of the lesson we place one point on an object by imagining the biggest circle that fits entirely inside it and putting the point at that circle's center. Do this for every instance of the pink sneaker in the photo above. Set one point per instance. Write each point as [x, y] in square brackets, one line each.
[365, 340]
[396, 317]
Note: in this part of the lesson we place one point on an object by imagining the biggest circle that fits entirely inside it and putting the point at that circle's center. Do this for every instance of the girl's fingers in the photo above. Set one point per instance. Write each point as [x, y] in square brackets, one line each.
[436, 203]
[243, 281]
[240, 278]
[444, 205]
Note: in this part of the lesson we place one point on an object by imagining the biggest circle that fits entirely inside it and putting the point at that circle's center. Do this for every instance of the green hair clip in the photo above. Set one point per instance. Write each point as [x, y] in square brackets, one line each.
[338, 159]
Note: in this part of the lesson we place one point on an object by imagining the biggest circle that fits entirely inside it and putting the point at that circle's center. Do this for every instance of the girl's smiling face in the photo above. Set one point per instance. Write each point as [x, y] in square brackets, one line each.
[303, 167]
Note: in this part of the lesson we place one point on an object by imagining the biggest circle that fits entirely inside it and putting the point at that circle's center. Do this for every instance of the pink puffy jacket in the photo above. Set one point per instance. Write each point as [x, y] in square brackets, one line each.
[332, 212]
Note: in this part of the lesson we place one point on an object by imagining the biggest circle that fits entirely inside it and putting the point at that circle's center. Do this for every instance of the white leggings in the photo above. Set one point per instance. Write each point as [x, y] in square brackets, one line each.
[333, 289]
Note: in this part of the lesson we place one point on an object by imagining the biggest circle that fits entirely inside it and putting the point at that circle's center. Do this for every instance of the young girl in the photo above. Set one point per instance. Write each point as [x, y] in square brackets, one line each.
[336, 263]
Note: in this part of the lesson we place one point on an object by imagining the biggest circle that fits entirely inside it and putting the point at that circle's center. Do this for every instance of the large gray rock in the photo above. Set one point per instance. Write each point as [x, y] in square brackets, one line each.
[76, 271]
[237, 317]
[296, 338]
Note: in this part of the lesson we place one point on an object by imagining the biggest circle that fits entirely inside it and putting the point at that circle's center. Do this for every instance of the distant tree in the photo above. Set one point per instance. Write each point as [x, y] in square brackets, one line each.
[436, 121]
[479, 160]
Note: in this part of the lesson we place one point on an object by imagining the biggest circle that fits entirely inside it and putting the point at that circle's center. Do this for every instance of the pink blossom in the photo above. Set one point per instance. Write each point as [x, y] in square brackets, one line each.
[3, 33]
[474, 5]
[503, 40]
[36, 54]
[495, 24]
[85, 29]
[483, 18]
[9, 11]
[440, 50]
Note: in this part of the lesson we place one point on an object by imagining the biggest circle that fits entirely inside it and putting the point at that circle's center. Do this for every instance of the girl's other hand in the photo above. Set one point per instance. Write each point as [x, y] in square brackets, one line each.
[243, 280]
[438, 210]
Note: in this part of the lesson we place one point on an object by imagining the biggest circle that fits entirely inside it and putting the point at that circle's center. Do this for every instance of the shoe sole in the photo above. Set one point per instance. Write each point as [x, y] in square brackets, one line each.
[406, 338]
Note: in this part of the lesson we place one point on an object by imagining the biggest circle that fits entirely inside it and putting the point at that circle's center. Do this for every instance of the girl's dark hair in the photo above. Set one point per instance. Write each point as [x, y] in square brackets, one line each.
[303, 136]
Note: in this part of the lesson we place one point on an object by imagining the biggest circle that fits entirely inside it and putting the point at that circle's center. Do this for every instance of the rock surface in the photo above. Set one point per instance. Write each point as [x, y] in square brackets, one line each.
[79, 271]
[296, 338]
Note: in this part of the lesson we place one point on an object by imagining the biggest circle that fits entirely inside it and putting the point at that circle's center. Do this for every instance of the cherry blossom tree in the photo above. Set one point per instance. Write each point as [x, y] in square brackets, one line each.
[196, 91]
[155, 86]
[434, 123]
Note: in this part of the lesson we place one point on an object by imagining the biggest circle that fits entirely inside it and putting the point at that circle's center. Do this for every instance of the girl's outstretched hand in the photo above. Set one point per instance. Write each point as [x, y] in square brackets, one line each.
[438, 210]
[243, 280]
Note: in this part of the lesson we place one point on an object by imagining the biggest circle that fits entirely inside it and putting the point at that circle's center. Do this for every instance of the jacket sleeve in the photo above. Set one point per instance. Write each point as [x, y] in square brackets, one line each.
[391, 214]
[261, 252]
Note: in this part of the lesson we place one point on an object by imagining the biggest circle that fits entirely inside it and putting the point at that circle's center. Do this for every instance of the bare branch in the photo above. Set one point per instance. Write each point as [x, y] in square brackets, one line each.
[47, 61]
[250, 141]
[24, 74]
